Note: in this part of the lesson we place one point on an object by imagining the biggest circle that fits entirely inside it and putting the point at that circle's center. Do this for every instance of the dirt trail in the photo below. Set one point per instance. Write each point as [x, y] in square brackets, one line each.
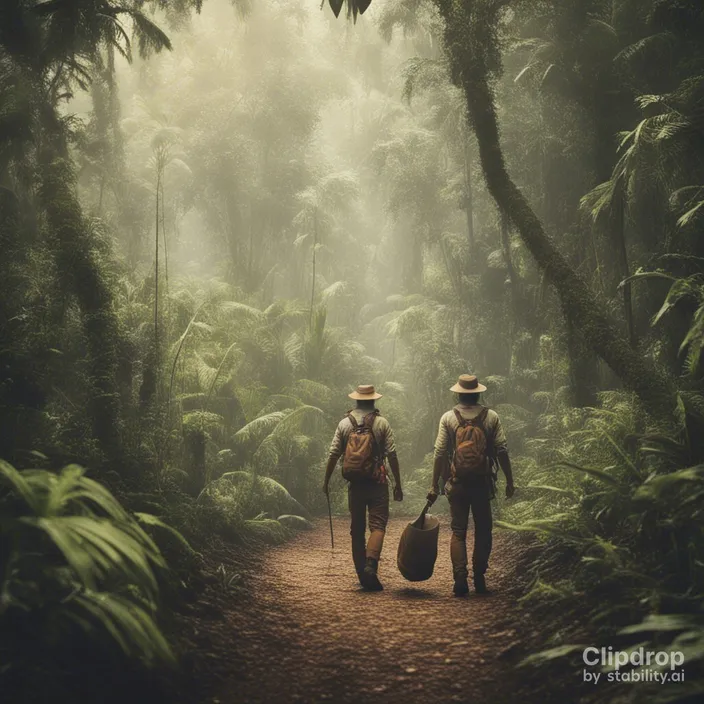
[307, 633]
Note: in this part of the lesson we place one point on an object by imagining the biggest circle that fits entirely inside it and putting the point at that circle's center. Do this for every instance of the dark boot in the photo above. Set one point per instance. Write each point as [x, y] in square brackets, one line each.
[368, 578]
[480, 584]
[461, 587]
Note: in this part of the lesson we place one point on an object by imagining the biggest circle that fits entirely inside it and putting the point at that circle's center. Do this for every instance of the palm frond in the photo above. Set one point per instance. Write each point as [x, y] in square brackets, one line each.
[74, 547]
[150, 38]
[259, 427]
[130, 625]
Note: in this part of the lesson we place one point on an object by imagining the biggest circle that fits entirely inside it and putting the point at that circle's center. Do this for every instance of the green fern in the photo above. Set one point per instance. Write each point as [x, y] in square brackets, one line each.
[79, 557]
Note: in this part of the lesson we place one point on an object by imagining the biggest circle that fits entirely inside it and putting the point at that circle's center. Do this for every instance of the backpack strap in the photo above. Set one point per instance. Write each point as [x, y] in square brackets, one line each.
[368, 422]
[480, 417]
[460, 419]
[480, 420]
[369, 419]
[353, 421]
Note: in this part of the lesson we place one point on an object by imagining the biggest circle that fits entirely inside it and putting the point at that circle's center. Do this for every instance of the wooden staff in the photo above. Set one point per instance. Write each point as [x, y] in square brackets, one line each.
[332, 539]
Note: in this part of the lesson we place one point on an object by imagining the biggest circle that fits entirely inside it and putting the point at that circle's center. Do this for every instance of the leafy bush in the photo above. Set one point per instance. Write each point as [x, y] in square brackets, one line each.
[73, 561]
[621, 506]
[240, 498]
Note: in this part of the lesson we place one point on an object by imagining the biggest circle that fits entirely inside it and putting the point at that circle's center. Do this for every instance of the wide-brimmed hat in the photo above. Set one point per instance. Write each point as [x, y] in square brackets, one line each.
[468, 384]
[365, 392]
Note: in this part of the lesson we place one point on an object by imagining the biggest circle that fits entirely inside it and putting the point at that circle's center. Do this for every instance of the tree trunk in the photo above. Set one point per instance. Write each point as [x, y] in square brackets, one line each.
[468, 195]
[23, 378]
[315, 250]
[79, 267]
[250, 254]
[618, 231]
[156, 266]
[117, 145]
[584, 373]
[100, 195]
[466, 35]
[165, 244]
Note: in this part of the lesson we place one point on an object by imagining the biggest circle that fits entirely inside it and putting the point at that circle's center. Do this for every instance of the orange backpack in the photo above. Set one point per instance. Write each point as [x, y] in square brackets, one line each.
[361, 452]
[471, 447]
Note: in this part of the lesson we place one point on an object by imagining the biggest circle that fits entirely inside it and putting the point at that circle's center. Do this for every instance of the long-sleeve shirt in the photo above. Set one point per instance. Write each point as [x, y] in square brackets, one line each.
[381, 429]
[445, 442]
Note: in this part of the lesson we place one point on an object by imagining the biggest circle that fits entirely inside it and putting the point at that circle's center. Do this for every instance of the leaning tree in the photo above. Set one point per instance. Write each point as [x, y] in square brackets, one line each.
[471, 36]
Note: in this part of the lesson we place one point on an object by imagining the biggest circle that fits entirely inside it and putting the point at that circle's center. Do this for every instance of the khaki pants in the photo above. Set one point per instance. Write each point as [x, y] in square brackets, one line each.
[363, 497]
[463, 499]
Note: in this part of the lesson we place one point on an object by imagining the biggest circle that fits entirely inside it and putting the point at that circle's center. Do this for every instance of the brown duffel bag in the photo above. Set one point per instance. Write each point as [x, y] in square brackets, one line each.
[418, 548]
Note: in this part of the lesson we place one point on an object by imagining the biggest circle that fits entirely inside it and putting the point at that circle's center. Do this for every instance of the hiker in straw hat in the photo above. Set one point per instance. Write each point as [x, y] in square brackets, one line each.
[471, 438]
[364, 439]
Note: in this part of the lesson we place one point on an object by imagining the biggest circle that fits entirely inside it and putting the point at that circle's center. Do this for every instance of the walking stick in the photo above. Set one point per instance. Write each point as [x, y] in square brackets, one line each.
[332, 539]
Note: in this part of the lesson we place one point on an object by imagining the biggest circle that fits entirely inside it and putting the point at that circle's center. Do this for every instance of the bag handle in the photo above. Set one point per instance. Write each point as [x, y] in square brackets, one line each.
[418, 523]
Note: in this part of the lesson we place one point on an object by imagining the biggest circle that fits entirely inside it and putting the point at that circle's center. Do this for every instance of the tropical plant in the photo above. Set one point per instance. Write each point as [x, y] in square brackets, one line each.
[75, 562]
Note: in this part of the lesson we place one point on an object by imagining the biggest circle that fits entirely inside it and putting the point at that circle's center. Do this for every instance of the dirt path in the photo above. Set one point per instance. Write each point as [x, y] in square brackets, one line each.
[307, 633]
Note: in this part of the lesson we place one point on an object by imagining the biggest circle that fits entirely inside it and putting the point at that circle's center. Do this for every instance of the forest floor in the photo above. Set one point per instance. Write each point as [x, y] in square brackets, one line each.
[300, 630]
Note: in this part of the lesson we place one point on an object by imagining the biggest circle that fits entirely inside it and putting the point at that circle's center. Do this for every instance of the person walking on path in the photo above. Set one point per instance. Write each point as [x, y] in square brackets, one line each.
[364, 440]
[470, 439]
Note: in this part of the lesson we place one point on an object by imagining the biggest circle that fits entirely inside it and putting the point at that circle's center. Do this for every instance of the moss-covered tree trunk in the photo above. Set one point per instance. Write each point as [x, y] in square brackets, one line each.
[23, 379]
[584, 370]
[471, 42]
[78, 267]
[618, 235]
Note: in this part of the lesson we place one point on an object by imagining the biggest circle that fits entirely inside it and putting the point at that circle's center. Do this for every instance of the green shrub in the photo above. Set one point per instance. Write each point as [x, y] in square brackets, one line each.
[72, 560]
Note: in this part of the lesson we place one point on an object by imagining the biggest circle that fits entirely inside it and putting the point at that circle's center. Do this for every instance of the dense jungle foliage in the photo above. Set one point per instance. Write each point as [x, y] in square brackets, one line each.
[217, 218]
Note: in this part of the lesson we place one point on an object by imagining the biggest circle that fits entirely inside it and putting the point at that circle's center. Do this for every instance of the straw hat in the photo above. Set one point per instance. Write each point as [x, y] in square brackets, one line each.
[468, 384]
[365, 392]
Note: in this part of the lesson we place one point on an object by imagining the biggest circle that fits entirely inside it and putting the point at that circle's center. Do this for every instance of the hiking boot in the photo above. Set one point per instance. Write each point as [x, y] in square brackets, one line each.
[461, 587]
[480, 584]
[368, 578]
